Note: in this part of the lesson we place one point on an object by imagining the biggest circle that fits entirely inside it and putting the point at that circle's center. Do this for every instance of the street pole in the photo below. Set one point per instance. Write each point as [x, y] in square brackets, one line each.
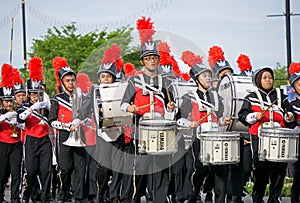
[24, 34]
[287, 15]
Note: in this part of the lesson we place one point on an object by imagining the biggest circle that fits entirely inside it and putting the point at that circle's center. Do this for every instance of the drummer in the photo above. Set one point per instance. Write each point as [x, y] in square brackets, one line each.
[221, 67]
[252, 114]
[141, 89]
[294, 70]
[196, 106]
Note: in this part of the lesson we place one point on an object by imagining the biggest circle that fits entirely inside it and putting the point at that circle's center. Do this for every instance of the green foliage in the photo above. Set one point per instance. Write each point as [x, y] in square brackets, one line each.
[280, 75]
[286, 190]
[83, 52]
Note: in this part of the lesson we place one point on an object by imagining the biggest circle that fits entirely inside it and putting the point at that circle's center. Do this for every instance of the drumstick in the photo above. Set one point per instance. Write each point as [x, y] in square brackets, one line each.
[168, 93]
[201, 119]
[144, 106]
[262, 113]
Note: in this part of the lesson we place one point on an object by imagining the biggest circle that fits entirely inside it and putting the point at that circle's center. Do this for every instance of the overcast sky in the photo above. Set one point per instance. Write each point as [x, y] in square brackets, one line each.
[238, 26]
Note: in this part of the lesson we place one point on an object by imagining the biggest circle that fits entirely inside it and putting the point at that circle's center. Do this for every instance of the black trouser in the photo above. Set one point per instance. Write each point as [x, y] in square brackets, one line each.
[221, 175]
[200, 171]
[183, 170]
[247, 163]
[265, 171]
[295, 190]
[71, 159]
[236, 175]
[38, 161]
[91, 171]
[11, 160]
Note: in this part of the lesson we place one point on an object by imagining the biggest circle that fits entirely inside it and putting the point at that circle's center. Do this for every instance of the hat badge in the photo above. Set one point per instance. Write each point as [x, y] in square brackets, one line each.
[118, 75]
[221, 63]
[66, 68]
[17, 86]
[6, 91]
[297, 73]
[166, 68]
[36, 84]
[149, 45]
[107, 66]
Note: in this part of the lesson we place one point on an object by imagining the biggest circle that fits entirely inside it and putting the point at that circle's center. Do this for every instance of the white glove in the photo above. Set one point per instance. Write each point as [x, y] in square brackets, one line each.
[40, 105]
[88, 122]
[76, 122]
[297, 129]
[10, 115]
[12, 121]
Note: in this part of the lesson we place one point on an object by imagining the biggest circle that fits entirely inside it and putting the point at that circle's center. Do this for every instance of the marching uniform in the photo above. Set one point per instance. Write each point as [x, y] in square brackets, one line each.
[253, 104]
[138, 93]
[38, 149]
[11, 147]
[69, 158]
[294, 70]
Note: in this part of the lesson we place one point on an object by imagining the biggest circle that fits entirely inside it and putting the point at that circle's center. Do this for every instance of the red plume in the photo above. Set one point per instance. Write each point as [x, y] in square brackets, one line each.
[17, 76]
[190, 58]
[186, 76]
[129, 70]
[294, 68]
[214, 55]
[244, 63]
[145, 29]
[163, 47]
[83, 82]
[111, 55]
[35, 68]
[7, 76]
[119, 63]
[57, 63]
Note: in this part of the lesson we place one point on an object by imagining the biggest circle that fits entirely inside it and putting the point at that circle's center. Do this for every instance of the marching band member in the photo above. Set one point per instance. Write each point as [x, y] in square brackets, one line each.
[294, 70]
[234, 187]
[70, 158]
[137, 94]
[197, 105]
[38, 149]
[84, 83]
[11, 147]
[251, 114]
[245, 67]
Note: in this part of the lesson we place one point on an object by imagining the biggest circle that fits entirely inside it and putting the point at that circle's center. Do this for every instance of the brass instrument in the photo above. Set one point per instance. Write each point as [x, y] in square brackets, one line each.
[41, 111]
[74, 139]
[13, 108]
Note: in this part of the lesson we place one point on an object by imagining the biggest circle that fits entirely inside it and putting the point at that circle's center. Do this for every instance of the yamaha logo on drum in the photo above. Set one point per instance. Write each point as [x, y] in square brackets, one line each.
[283, 142]
[226, 152]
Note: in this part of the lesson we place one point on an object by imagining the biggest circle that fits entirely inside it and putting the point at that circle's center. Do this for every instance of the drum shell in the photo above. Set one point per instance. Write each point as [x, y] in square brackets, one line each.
[157, 137]
[219, 148]
[182, 88]
[110, 97]
[233, 90]
[278, 145]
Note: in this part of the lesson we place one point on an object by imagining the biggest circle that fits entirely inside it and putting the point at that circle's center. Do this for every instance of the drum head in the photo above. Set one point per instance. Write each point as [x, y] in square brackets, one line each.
[151, 122]
[233, 90]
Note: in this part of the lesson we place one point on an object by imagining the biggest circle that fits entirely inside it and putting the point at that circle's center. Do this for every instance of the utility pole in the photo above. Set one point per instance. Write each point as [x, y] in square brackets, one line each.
[24, 34]
[287, 15]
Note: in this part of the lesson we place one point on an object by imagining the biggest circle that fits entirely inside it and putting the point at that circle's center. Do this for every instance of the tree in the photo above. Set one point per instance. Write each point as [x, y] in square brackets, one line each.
[83, 52]
[280, 75]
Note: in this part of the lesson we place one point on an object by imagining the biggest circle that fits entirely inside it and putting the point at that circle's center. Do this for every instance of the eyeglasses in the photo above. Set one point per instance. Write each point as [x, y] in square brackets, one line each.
[154, 58]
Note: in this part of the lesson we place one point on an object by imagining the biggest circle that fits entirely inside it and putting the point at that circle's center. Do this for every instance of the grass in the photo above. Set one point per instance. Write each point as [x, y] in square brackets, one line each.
[286, 190]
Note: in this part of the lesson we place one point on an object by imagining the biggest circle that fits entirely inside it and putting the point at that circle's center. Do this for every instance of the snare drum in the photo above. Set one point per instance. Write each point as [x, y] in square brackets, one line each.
[219, 148]
[233, 90]
[278, 145]
[157, 137]
[110, 96]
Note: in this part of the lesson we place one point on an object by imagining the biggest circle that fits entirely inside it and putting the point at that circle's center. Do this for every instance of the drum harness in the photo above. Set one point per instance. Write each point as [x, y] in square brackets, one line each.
[152, 91]
[207, 107]
[271, 110]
